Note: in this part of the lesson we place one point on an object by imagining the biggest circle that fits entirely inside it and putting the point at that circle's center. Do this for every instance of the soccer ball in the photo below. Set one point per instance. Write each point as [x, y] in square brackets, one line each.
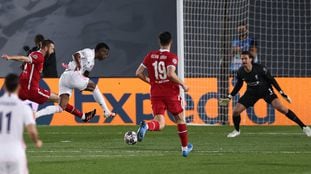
[130, 137]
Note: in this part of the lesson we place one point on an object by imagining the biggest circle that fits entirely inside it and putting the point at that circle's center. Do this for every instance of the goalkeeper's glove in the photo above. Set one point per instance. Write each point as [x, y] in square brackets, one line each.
[289, 100]
[225, 101]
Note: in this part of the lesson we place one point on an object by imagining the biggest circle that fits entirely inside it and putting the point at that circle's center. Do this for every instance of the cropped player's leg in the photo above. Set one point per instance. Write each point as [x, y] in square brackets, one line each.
[157, 124]
[238, 109]
[68, 81]
[276, 103]
[99, 98]
[63, 102]
[183, 134]
[174, 106]
[49, 109]
[158, 108]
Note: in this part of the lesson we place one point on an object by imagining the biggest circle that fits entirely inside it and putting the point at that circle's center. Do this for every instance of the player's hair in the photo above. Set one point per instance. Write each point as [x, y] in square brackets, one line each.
[39, 38]
[11, 82]
[165, 38]
[249, 55]
[101, 45]
[47, 42]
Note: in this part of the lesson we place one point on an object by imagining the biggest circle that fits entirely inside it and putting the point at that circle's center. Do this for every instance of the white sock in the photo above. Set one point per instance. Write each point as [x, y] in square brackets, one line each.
[99, 98]
[83, 116]
[184, 148]
[48, 110]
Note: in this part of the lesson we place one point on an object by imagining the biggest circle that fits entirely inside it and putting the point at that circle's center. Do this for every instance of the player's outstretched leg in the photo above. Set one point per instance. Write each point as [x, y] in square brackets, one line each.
[141, 132]
[291, 115]
[99, 98]
[236, 120]
[157, 124]
[48, 111]
[63, 102]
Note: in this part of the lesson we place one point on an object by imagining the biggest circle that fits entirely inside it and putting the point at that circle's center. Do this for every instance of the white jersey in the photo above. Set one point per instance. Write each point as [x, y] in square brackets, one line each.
[87, 60]
[14, 116]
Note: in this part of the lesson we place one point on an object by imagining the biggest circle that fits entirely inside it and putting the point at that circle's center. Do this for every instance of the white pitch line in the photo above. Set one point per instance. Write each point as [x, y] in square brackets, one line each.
[162, 152]
[211, 133]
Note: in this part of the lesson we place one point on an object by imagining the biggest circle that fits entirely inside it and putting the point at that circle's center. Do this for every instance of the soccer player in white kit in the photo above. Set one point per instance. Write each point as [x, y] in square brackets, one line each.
[76, 77]
[14, 117]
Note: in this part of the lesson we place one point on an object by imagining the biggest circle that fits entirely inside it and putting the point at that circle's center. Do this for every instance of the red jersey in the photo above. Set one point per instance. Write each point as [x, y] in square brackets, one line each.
[156, 63]
[30, 77]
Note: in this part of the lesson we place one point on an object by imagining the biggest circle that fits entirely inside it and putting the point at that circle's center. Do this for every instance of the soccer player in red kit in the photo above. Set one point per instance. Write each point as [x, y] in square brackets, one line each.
[30, 78]
[165, 95]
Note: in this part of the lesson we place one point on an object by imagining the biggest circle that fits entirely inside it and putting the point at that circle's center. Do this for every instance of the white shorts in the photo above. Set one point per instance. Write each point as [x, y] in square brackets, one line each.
[70, 80]
[15, 164]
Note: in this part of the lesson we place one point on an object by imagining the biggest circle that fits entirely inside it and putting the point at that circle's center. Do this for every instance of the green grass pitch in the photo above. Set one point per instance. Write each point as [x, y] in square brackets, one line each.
[98, 150]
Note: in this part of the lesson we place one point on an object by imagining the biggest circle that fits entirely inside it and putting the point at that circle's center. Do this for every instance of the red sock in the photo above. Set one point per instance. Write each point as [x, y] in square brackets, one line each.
[153, 125]
[183, 134]
[73, 110]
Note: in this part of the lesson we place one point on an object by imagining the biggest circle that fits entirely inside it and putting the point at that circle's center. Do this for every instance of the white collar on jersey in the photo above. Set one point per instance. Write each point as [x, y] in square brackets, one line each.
[163, 50]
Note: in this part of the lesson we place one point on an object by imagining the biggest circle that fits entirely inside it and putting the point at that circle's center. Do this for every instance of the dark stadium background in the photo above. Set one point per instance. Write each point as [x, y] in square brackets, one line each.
[130, 28]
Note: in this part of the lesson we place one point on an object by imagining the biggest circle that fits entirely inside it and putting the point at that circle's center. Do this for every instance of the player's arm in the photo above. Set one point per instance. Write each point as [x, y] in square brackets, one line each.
[17, 58]
[30, 124]
[140, 74]
[77, 59]
[236, 89]
[172, 76]
[267, 75]
[33, 134]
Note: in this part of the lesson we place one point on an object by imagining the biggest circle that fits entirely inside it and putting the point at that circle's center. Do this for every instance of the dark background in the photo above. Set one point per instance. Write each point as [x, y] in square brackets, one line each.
[281, 28]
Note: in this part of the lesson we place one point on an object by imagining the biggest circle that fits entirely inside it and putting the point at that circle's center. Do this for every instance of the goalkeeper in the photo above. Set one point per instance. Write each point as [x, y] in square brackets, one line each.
[259, 85]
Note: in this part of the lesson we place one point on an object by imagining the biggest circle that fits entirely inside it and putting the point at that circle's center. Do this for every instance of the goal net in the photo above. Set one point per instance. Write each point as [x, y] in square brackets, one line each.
[213, 33]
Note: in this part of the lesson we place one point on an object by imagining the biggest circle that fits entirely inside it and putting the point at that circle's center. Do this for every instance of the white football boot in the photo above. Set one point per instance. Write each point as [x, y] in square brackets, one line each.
[233, 134]
[307, 130]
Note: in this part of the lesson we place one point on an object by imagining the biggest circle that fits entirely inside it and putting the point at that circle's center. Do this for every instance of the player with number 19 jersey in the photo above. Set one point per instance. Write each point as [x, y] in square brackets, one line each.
[156, 63]
[164, 93]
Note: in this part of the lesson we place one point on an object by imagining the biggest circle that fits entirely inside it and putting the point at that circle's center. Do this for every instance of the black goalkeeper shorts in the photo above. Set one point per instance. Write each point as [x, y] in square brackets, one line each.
[250, 97]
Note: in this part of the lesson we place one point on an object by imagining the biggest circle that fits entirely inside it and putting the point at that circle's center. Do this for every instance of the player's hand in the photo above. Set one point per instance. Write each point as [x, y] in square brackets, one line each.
[225, 101]
[65, 66]
[185, 87]
[6, 57]
[39, 144]
[286, 97]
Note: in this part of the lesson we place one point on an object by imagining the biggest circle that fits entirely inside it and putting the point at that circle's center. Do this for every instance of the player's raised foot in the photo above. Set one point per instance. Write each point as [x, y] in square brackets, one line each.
[109, 114]
[141, 131]
[307, 130]
[89, 115]
[233, 134]
[185, 152]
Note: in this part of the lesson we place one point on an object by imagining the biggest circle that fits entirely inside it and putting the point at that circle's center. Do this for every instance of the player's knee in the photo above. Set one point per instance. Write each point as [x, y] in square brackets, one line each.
[282, 109]
[236, 113]
[180, 120]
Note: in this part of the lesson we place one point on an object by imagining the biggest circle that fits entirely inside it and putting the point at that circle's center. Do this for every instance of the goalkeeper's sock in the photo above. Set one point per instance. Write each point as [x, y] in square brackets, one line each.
[153, 125]
[292, 116]
[236, 122]
[71, 109]
[183, 134]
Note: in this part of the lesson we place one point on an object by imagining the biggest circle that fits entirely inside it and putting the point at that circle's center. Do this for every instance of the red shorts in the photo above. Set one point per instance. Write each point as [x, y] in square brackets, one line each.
[171, 103]
[38, 95]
